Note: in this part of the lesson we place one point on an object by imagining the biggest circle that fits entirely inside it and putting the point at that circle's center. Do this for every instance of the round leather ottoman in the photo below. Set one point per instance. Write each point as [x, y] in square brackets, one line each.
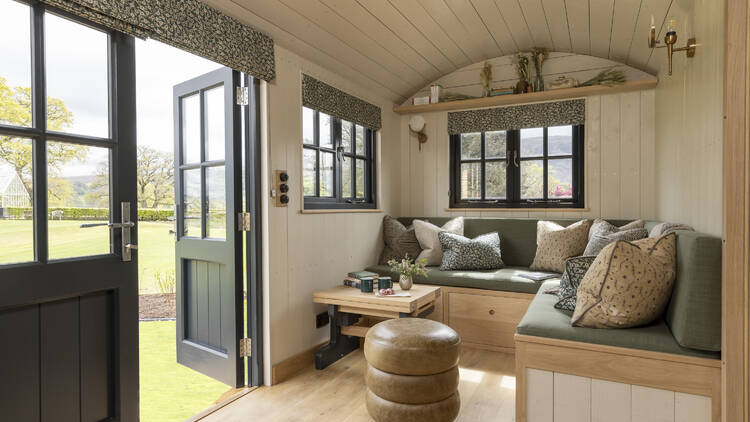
[412, 371]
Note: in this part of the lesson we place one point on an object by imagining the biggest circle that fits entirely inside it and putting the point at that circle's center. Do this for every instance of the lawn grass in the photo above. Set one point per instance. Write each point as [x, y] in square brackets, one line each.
[170, 391]
[67, 239]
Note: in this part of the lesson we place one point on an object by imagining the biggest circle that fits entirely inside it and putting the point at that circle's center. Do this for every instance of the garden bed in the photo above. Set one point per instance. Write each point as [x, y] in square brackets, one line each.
[156, 306]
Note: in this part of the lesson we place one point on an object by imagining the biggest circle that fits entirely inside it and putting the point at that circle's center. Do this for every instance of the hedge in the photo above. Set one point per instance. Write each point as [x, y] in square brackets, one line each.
[69, 213]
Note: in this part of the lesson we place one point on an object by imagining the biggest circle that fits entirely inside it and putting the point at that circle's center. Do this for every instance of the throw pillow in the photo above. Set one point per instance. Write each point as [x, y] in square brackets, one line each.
[629, 284]
[555, 244]
[427, 234]
[399, 241]
[462, 253]
[602, 233]
[575, 270]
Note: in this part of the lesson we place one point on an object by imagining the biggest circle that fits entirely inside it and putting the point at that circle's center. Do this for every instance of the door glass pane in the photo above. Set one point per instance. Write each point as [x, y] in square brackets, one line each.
[560, 140]
[214, 110]
[494, 144]
[532, 179]
[16, 224]
[77, 194]
[326, 174]
[361, 173]
[471, 146]
[495, 184]
[308, 126]
[560, 178]
[471, 181]
[309, 164]
[77, 77]
[360, 133]
[191, 129]
[15, 66]
[346, 177]
[191, 197]
[326, 140]
[346, 135]
[217, 203]
[532, 142]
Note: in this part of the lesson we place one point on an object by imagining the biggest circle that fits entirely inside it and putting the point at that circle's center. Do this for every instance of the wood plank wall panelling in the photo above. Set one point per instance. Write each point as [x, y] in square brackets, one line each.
[310, 252]
[619, 160]
[569, 398]
[582, 67]
[689, 120]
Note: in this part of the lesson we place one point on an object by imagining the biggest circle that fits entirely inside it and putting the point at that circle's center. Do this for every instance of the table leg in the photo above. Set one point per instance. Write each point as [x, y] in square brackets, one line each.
[339, 345]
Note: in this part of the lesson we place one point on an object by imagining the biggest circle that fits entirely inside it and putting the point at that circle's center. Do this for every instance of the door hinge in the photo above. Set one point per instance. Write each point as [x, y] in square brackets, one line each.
[243, 221]
[243, 96]
[246, 347]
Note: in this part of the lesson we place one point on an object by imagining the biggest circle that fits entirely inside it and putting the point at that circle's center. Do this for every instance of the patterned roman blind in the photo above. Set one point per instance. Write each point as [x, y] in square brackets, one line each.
[325, 98]
[187, 24]
[559, 113]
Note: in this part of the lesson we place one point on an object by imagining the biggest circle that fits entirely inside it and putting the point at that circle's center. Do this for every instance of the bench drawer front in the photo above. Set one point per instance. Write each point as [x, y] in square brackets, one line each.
[487, 320]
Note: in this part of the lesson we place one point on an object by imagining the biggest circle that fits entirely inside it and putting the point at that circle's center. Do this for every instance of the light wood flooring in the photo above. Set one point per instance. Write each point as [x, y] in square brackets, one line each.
[337, 393]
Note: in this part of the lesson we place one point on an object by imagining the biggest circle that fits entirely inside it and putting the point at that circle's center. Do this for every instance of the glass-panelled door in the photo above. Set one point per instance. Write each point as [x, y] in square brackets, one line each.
[68, 264]
[209, 246]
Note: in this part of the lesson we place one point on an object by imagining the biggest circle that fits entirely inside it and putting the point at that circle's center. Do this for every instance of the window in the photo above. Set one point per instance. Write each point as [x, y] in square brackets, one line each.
[526, 168]
[338, 165]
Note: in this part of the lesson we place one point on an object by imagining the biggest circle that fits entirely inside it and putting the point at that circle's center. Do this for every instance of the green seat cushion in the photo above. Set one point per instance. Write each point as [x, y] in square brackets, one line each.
[694, 312]
[506, 279]
[543, 320]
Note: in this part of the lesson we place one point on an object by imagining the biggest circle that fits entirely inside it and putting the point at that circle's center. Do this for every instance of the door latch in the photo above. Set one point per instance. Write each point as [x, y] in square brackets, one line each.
[125, 225]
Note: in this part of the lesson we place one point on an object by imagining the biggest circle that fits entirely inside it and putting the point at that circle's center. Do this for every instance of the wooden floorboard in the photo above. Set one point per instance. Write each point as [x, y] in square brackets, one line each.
[337, 393]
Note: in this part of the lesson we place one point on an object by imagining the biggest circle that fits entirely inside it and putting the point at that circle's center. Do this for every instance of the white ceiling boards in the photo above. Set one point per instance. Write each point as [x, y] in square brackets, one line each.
[399, 46]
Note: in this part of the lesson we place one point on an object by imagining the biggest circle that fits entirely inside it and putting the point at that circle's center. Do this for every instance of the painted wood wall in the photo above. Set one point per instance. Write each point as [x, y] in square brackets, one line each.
[689, 120]
[310, 252]
[553, 396]
[578, 66]
[619, 160]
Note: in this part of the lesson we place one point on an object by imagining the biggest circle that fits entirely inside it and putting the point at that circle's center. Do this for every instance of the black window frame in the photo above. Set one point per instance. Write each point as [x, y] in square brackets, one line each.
[340, 200]
[513, 173]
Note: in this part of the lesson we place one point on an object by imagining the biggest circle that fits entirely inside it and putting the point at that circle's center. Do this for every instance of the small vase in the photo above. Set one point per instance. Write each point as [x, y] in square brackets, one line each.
[405, 282]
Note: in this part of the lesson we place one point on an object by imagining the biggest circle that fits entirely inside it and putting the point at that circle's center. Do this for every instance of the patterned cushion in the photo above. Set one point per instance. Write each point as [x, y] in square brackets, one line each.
[602, 233]
[461, 253]
[399, 241]
[628, 285]
[555, 244]
[575, 269]
[427, 234]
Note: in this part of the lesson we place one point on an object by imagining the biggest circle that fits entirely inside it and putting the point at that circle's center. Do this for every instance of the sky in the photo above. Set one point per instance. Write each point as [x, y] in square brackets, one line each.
[77, 74]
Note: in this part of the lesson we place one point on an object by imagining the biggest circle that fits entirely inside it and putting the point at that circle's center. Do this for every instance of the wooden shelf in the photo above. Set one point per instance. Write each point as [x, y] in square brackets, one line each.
[533, 97]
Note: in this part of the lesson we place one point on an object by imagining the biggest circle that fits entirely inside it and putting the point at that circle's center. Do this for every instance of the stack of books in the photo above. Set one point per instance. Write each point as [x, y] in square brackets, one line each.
[354, 279]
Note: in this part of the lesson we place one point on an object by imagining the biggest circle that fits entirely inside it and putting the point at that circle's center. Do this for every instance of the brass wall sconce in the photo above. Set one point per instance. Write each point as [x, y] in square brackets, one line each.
[417, 125]
[670, 39]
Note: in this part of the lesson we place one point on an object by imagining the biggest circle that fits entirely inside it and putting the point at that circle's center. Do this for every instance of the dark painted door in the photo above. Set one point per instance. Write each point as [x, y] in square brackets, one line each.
[209, 246]
[68, 299]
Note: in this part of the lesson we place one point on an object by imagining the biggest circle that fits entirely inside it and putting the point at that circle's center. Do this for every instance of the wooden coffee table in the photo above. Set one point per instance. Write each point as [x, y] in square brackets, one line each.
[347, 306]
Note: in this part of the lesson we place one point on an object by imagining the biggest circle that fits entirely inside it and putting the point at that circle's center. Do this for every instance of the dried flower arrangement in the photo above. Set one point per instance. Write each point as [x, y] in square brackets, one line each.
[609, 77]
[538, 54]
[524, 73]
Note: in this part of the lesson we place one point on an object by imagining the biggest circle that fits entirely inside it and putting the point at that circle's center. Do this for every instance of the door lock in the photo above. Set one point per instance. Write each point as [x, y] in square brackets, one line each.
[125, 225]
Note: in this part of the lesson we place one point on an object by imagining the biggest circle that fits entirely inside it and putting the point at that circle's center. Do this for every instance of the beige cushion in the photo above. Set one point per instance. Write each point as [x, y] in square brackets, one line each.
[427, 234]
[555, 244]
[412, 389]
[629, 284]
[412, 346]
[382, 410]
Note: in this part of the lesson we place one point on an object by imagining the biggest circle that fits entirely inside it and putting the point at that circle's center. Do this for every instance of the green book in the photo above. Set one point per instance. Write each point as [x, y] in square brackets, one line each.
[361, 274]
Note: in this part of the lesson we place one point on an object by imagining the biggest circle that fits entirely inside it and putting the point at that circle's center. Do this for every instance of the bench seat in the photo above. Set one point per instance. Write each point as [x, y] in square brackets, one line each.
[506, 279]
[542, 319]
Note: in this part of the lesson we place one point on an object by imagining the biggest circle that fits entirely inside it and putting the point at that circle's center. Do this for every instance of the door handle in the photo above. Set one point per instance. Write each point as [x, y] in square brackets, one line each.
[125, 225]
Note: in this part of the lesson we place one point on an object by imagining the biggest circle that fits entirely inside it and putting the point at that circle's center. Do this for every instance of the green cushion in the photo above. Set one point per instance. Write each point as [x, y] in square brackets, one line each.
[543, 320]
[694, 312]
[506, 279]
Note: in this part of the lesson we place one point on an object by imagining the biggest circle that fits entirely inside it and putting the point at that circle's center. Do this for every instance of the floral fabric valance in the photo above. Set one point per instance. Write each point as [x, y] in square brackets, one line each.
[572, 112]
[325, 98]
[187, 24]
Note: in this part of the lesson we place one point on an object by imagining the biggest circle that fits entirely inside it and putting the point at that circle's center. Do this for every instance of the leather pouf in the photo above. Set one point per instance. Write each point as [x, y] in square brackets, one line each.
[412, 371]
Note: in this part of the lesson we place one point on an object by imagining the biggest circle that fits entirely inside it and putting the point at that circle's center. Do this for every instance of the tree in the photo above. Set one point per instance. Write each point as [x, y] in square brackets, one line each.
[155, 177]
[15, 110]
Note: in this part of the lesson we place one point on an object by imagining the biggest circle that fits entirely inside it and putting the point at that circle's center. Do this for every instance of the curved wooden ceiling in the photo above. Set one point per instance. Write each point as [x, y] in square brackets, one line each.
[398, 46]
